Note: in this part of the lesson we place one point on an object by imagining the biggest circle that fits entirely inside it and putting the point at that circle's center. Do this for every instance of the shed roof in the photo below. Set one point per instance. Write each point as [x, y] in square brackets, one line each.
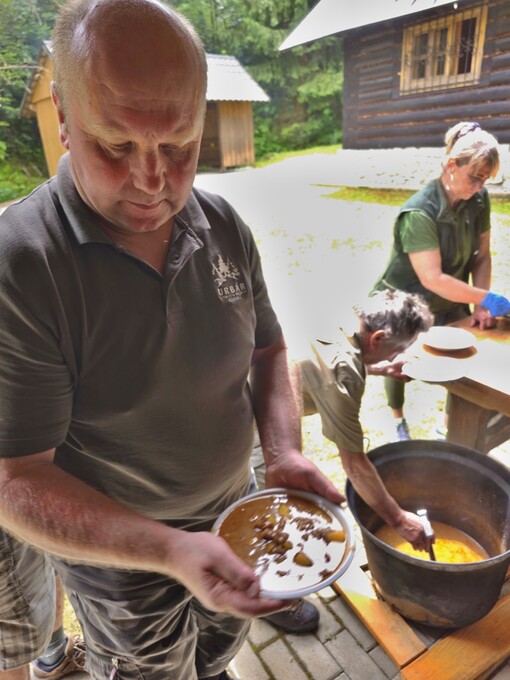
[227, 80]
[335, 16]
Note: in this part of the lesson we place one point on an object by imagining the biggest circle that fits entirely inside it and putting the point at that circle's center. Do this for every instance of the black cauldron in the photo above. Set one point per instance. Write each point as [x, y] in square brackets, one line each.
[458, 486]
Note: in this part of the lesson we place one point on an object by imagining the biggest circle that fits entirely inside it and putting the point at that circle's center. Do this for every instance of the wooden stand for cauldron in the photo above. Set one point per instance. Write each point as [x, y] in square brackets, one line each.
[469, 653]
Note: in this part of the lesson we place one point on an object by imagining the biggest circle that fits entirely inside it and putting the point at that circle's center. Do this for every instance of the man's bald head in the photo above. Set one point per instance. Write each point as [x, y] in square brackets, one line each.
[97, 41]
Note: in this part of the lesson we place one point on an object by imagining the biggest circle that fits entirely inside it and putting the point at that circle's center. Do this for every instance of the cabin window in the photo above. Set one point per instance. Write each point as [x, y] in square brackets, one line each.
[443, 53]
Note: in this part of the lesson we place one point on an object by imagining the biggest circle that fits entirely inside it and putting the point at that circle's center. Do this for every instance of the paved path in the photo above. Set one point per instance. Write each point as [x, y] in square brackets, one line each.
[342, 649]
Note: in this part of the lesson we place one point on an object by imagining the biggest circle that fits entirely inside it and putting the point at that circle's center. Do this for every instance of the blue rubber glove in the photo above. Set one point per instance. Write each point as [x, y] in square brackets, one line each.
[497, 305]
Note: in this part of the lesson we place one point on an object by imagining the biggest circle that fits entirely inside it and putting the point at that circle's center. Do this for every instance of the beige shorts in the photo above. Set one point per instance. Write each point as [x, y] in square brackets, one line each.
[27, 603]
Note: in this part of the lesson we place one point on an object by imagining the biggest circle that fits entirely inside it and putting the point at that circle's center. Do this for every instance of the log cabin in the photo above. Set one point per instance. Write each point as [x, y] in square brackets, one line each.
[413, 68]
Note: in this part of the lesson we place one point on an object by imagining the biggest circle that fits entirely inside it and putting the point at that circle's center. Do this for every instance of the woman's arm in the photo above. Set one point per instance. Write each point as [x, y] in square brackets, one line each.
[481, 277]
[427, 265]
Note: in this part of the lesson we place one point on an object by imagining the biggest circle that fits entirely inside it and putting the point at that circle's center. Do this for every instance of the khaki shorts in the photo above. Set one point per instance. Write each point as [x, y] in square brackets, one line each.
[27, 603]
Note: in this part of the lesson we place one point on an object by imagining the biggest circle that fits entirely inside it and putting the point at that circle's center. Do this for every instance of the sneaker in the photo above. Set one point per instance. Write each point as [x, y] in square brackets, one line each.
[440, 434]
[304, 618]
[224, 675]
[74, 660]
[403, 431]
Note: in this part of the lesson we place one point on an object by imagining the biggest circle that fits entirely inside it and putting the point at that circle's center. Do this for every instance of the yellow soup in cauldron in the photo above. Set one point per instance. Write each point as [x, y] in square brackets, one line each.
[452, 545]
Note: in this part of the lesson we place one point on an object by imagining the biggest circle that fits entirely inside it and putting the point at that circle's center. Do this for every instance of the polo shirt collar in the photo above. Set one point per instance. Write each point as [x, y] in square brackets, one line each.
[83, 220]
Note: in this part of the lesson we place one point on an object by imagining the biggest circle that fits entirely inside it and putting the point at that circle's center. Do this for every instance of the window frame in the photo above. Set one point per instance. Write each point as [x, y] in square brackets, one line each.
[411, 84]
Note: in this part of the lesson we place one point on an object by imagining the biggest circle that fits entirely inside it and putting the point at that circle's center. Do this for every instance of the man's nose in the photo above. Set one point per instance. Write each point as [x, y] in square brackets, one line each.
[148, 172]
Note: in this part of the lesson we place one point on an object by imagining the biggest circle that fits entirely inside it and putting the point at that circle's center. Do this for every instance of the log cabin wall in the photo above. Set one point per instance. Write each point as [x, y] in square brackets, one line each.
[377, 113]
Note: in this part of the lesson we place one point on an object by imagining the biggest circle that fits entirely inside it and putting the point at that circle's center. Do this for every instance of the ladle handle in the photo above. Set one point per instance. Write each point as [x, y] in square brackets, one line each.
[429, 531]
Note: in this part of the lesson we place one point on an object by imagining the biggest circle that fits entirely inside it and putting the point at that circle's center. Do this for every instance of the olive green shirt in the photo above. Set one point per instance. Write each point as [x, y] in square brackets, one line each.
[334, 377]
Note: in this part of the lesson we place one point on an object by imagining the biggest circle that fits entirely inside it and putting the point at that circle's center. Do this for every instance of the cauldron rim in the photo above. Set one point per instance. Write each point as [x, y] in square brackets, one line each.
[419, 446]
[425, 563]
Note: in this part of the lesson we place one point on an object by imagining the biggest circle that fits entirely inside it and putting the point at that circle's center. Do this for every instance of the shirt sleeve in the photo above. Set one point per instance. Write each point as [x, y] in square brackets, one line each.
[267, 329]
[337, 392]
[36, 387]
[418, 232]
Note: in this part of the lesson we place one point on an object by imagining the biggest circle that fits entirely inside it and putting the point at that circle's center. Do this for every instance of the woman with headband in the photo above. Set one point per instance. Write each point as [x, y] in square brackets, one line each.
[441, 243]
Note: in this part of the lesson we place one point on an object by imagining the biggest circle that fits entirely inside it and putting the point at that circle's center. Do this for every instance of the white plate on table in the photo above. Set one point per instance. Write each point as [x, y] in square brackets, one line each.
[311, 526]
[448, 338]
[434, 369]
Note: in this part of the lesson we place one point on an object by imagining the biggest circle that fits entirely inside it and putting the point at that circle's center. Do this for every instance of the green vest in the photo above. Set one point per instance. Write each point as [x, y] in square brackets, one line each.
[469, 219]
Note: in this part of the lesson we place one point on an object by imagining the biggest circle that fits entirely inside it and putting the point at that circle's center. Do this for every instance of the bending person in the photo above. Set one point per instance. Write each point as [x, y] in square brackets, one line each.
[333, 383]
[441, 243]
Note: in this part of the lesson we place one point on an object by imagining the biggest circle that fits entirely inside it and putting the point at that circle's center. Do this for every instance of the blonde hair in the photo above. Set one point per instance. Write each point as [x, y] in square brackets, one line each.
[71, 30]
[468, 144]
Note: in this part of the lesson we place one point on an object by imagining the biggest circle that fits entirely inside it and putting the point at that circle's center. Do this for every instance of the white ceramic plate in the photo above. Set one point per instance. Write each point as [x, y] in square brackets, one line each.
[434, 369]
[448, 338]
[308, 520]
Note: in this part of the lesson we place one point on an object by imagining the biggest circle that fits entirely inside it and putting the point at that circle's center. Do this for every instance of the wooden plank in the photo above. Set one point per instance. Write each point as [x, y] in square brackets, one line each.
[467, 653]
[391, 631]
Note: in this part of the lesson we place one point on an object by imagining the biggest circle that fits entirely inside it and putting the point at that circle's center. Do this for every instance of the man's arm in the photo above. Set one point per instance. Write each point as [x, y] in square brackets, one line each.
[277, 407]
[368, 484]
[52, 510]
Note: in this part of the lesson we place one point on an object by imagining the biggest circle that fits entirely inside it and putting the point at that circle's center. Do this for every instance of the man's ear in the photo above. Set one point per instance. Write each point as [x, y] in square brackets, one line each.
[377, 337]
[62, 125]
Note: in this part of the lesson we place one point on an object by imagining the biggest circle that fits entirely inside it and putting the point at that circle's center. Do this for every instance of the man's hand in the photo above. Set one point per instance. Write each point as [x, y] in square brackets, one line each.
[292, 470]
[411, 528]
[389, 369]
[209, 569]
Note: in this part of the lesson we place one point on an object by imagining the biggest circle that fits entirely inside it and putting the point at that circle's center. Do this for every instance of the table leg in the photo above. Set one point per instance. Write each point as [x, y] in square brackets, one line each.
[474, 426]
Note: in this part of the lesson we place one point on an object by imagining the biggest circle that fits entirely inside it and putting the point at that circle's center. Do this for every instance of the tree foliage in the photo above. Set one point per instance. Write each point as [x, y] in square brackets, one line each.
[304, 83]
[24, 24]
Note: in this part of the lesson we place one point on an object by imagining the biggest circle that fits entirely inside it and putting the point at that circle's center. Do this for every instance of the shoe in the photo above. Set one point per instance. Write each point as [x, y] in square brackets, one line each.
[304, 618]
[74, 660]
[440, 434]
[224, 675]
[403, 431]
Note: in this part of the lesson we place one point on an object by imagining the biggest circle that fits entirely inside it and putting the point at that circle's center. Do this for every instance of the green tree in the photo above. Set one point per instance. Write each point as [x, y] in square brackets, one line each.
[24, 24]
[304, 83]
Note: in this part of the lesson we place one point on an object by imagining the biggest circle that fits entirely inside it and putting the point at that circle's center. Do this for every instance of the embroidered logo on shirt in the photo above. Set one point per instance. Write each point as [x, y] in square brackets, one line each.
[226, 277]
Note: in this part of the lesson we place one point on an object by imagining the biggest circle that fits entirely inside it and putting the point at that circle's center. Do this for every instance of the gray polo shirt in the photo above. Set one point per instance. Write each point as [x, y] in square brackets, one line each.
[138, 379]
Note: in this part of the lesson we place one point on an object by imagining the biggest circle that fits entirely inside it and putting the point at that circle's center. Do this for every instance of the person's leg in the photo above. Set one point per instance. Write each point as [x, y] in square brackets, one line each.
[27, 606]
[395, 393]
[135, 624]
[220, 638]
[64, 654]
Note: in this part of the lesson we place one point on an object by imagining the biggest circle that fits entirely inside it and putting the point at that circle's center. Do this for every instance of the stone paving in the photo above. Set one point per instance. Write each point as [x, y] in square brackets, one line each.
[341, 649]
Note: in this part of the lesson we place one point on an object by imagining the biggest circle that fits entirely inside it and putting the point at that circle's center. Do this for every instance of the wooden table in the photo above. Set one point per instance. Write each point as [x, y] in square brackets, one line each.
[479, 415]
